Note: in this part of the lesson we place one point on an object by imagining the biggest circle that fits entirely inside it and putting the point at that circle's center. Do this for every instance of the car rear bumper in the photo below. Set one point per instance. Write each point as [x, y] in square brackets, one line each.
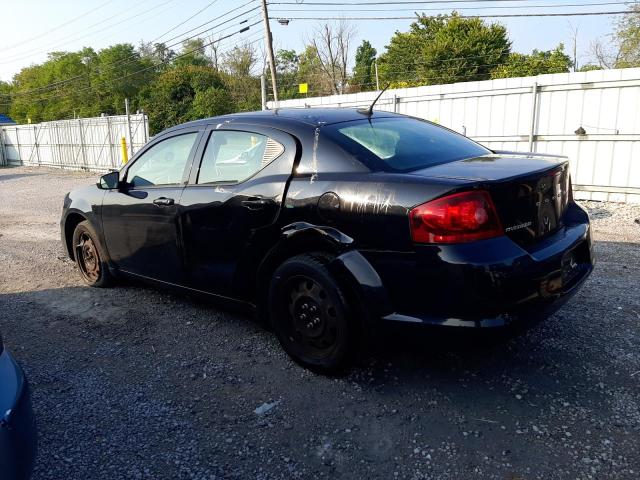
[18, 440]
[484, 284]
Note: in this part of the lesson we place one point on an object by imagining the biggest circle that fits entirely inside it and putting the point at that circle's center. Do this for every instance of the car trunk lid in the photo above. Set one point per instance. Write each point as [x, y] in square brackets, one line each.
[530, 192]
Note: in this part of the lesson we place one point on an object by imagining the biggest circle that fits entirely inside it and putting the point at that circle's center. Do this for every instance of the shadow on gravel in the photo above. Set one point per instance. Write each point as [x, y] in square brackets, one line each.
[135, 310]
[15, 176]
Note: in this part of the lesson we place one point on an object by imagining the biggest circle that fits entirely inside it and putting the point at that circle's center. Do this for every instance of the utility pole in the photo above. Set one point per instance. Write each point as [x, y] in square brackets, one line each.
[269, 44]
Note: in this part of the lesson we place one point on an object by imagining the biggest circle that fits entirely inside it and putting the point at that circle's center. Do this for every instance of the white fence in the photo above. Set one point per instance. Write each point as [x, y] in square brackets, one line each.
[539, 114]
[80, 144]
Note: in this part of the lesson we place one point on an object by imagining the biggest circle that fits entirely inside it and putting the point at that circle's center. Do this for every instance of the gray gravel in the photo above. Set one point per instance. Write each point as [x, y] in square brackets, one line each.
[132, 382]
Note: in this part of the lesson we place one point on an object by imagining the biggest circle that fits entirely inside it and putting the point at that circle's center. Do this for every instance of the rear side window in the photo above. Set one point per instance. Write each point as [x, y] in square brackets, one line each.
[235, 156]
[402, 144]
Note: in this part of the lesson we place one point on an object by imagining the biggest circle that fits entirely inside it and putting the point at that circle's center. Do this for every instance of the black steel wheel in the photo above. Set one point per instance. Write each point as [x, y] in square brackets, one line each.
[309, 314]
[87, 253]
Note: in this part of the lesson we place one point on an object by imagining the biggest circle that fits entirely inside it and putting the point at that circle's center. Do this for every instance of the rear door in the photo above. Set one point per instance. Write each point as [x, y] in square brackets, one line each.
[140, 220]
[229, 207]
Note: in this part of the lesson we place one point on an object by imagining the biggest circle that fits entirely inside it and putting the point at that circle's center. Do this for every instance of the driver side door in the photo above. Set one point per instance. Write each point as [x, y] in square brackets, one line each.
[139, 219]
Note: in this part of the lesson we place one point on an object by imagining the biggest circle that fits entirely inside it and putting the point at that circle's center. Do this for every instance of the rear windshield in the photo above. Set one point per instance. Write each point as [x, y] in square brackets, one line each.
[401, 144]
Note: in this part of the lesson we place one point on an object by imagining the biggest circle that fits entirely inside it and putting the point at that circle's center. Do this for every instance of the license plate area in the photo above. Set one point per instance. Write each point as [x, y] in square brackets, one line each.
[573, 263]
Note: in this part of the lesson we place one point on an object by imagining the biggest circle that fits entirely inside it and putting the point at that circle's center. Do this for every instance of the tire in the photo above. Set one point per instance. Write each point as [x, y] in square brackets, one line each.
[310, 315]
[89, 256]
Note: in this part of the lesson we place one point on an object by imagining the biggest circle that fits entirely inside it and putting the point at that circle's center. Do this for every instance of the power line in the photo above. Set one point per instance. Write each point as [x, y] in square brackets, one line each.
[184, 21]
[58, 27]
[133, 57]
[184, 54]
[66, 39]
[490, 7]
[387, 3]
[506, 15]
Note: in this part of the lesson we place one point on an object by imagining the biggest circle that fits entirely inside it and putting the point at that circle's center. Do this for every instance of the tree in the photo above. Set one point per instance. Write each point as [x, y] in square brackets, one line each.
[628, 39]
[193, 54]
[538, 63]
[623, 49]
[121, 72]
[444, 49]
[237, 66]
[332, 43]
[5, 97]
[287, 71]
[170, 99]
[364, 70]
[158, 53]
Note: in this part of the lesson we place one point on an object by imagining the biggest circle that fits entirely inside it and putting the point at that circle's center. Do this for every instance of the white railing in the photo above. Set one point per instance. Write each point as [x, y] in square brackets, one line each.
[80, 144]
[540, 114]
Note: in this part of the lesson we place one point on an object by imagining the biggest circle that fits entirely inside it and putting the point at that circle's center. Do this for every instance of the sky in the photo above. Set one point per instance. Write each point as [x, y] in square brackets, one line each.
[32, 28]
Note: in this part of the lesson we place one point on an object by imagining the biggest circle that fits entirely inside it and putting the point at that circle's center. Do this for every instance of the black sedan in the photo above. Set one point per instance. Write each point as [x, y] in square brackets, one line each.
[17, 424]
[332, 222]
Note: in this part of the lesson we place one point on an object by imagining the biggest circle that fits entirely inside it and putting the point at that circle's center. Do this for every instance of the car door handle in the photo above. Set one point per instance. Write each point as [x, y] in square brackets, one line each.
[163, 201]
[255, 203]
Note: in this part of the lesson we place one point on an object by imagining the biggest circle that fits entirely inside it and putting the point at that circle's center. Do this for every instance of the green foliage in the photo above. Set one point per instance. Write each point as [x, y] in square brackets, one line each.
[192, 54]
[538, 63]
[364, 70]
[170, 99]
[287, 66]
[211, 102]
[628, 39]
[309, 71]
[589, 67]
[5, 99]
[444, 49]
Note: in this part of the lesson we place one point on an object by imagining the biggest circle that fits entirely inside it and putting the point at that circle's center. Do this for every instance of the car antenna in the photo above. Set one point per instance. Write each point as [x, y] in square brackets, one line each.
[369, 111]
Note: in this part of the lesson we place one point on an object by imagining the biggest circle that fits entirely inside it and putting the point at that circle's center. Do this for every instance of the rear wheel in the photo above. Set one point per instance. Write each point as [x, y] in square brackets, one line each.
[310, 315]
[88, 255]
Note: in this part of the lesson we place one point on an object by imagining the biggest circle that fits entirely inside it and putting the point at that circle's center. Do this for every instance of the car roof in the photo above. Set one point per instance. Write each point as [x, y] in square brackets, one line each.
[282, 117]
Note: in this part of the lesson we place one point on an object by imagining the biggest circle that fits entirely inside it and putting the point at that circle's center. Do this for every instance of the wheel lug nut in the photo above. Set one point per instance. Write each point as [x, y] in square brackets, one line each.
[303, 317]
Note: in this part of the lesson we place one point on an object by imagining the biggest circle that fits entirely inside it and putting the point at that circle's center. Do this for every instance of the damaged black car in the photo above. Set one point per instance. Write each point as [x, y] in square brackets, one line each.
[332, 222]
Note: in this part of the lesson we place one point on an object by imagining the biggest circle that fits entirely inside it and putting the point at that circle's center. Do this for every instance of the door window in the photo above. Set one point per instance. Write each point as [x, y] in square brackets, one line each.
[235, 156]
[162, 164]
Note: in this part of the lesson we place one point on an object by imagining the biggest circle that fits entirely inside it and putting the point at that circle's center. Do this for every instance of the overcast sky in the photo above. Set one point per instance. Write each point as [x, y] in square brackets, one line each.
[31, 28]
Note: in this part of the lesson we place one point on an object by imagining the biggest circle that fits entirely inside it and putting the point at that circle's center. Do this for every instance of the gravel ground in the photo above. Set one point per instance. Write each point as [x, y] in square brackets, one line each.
[133, 382]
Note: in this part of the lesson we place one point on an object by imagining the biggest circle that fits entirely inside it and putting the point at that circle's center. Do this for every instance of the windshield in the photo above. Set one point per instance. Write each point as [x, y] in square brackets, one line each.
[402, 144]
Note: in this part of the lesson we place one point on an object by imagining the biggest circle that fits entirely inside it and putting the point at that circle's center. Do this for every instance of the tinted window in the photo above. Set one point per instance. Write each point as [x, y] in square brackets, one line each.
[162, 164]
[236, 156]
[402, 144]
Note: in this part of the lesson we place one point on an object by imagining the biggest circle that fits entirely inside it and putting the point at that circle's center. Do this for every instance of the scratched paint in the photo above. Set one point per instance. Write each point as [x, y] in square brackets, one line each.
[375, 199]
[314, 158]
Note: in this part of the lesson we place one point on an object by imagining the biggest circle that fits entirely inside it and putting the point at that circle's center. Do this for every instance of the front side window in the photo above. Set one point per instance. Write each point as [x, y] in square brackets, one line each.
[402, 144]
[163, 163]
[232, 157]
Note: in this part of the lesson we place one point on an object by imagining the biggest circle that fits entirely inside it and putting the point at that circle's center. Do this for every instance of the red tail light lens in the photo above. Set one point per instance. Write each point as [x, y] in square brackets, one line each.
[461, 217]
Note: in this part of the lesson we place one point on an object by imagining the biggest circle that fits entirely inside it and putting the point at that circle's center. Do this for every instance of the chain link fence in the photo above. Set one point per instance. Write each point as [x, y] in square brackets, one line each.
[92, 144]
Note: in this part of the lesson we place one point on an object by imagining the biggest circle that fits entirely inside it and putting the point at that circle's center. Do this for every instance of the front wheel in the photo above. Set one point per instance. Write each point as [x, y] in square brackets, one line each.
[310, 315]
[88, 256]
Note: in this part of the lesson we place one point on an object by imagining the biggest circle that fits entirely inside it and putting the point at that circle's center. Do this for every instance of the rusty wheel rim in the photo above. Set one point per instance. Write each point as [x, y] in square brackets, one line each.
[88, 258]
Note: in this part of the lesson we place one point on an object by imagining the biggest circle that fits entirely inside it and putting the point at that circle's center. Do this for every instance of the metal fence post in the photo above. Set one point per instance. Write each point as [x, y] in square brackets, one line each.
[110, 139]
[35, 143]
[18, 146]
[126, 106]
[82, 145]
[2, 154]
[534, 115]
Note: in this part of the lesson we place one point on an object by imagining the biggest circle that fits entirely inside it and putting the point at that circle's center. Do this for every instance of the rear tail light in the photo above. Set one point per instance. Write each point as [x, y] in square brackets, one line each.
[461, 217]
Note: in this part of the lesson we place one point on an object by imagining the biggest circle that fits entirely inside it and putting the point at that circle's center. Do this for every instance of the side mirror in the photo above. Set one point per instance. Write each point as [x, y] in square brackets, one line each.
[109, 181]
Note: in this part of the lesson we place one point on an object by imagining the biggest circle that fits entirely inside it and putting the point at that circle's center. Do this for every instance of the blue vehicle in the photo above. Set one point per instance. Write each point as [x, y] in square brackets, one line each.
[18, 441]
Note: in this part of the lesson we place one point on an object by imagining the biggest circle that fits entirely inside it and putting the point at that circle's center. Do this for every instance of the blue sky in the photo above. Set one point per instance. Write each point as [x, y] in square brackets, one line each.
[31, 28]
